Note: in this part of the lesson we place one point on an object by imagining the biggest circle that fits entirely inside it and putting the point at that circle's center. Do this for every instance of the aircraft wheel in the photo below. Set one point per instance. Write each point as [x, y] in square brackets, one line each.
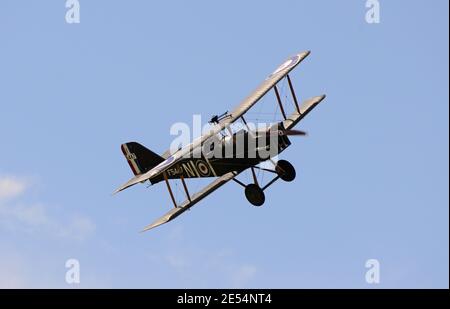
[255, 195]
[285, 170]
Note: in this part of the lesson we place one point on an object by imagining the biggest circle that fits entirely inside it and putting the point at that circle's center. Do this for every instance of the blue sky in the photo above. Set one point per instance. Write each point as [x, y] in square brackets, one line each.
[372, 175]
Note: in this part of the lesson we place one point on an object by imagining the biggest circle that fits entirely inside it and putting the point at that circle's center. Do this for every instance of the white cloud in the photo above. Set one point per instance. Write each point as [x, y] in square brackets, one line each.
[243, 275]
[192, 264]
[12, 270]
[29, 215]
[36, 217]
[79, 228]
[177, 261]
[11, 187]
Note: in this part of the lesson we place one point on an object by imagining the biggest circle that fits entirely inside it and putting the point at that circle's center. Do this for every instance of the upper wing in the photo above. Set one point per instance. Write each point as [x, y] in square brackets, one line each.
[266, 85]
[254, 97]
[175, 212]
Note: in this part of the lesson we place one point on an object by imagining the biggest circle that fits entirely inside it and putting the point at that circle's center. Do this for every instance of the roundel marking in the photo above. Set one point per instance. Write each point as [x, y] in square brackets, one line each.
[203, 168]
[286, 65]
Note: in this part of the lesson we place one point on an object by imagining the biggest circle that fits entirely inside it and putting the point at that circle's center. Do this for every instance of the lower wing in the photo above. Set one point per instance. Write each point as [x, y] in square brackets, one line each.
[197, 197]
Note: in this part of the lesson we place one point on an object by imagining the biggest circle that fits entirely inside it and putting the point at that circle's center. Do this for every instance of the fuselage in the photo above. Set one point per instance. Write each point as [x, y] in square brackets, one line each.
[217, 157]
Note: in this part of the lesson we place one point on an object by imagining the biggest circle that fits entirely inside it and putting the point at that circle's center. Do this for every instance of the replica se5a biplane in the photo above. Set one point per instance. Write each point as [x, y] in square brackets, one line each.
[205, 157]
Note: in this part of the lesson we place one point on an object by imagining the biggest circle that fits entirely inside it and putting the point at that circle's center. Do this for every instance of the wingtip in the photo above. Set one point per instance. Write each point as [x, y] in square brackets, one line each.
[304, 54]
[148, 228]
[152, 225]
[121, 188]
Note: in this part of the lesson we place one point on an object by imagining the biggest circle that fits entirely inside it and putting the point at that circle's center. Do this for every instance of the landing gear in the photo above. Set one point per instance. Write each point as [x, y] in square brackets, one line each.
[285, 170]
[255, 195]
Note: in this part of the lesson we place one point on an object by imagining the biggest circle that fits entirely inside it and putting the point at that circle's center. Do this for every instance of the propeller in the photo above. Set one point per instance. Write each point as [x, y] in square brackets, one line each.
[294, 133]
[289, 133]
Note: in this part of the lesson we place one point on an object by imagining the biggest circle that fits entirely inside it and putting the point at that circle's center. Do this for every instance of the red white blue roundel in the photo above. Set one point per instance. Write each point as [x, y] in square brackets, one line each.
[286, 65]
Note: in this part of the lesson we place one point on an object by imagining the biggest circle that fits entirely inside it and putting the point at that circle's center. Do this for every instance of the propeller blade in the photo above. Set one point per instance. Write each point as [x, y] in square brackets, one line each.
[295, 132]
[289, 133]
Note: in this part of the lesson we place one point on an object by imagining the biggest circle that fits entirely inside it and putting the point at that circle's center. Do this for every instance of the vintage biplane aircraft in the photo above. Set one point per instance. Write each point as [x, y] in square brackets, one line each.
[206, 157]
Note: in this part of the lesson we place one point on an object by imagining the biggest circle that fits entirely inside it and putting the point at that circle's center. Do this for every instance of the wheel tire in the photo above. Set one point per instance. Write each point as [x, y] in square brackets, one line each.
[255, 195]
[285, 170]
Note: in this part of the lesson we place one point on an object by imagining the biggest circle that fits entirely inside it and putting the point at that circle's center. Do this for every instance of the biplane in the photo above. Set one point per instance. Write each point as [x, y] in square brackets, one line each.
[207, 156]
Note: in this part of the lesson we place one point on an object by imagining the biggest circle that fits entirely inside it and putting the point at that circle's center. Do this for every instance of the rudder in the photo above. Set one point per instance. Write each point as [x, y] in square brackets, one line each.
[140, 159]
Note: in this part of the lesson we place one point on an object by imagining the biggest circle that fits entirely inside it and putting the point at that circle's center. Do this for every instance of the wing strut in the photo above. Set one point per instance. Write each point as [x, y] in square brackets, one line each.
[166, 179]
[245, 122]
[293, 93]
[185, 188]
[170, 189]
[279, 101]
[277, 93]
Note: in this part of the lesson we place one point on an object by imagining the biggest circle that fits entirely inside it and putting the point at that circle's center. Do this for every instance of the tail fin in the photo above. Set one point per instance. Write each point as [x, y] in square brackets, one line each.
[140, 159]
